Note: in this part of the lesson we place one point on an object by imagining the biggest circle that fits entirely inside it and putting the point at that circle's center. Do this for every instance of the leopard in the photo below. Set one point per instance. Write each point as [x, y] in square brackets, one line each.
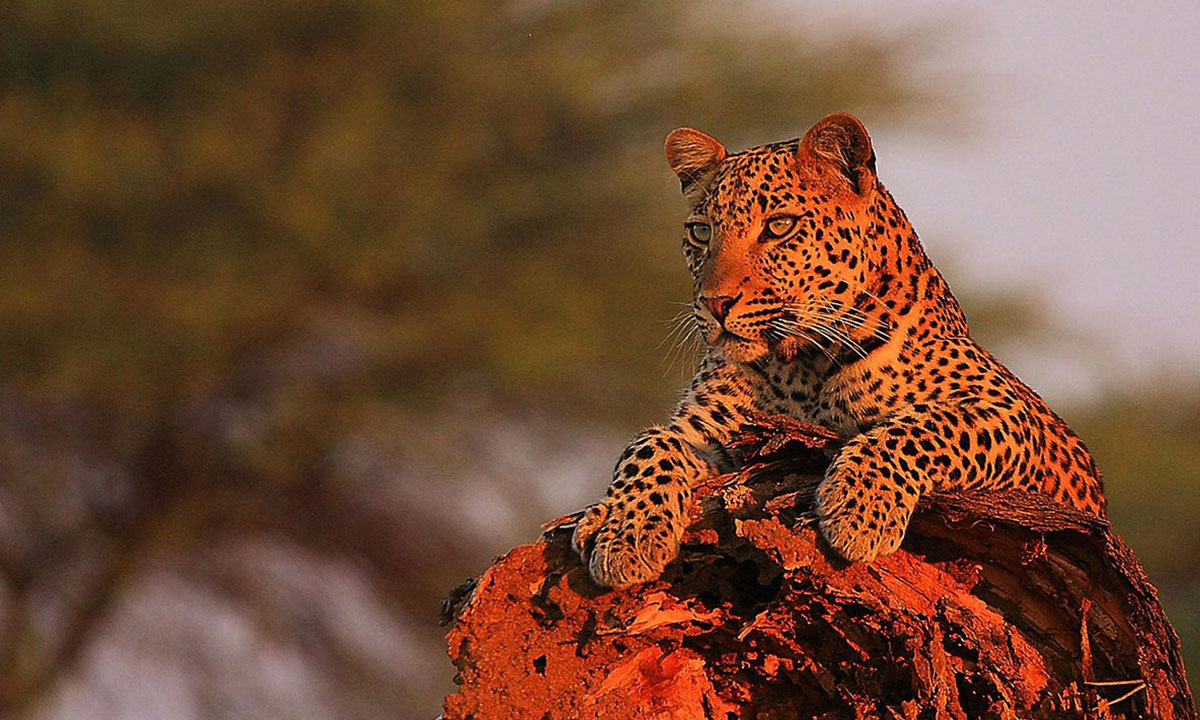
[816, 300]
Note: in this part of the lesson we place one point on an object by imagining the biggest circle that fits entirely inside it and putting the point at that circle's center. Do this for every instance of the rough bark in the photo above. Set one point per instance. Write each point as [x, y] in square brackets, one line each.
[998, 605]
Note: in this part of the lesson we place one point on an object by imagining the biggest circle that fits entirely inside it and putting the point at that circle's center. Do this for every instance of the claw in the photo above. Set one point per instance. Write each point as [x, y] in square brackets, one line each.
[619, 566]
[620, 554]
[591, 521]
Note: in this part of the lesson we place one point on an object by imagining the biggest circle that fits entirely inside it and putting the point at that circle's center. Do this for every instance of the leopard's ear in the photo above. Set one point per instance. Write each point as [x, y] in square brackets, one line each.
[842, 140]
[693, 157]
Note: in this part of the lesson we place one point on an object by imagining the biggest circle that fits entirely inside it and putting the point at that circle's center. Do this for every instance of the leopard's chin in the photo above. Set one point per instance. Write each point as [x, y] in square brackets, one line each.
[744, 350]
[748, 351]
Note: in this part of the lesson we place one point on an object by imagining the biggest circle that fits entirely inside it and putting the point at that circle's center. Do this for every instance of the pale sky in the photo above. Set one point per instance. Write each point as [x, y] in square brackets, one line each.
[1081, 176]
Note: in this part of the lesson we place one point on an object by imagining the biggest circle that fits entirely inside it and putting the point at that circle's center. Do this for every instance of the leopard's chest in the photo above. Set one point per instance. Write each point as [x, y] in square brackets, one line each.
[848, 400]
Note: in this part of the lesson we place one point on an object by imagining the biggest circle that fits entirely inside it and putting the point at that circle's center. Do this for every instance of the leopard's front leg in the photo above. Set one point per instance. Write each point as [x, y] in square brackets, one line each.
[630, 536]
[872, 487]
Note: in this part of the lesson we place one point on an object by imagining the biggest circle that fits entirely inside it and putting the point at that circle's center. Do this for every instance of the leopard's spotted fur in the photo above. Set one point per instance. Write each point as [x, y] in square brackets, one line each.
[818, 301]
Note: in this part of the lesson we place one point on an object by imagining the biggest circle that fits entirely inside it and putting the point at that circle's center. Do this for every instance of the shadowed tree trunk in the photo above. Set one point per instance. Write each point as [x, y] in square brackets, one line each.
[998, 605]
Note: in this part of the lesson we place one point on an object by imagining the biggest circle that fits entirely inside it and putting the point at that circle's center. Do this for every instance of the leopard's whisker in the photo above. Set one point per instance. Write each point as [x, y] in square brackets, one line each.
[863, 291]
[792, 328]
[852, 314]
[820, 346]
[678, 317]
[683, 330]
[680, 350]
[843, 338]
[835, 336]
[780, 334]
[829, 319]
[878, 327]
[814, 323]
[678, 324]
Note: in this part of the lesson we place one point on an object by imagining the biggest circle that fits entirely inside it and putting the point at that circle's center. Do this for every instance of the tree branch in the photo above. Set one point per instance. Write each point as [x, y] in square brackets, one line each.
[998, 605]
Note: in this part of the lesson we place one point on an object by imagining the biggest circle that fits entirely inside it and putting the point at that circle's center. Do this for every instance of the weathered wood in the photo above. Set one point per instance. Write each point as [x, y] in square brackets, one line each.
[998, 605]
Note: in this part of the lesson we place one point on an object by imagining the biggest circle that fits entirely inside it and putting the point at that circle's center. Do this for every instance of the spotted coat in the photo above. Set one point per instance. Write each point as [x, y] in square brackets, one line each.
[817, 301]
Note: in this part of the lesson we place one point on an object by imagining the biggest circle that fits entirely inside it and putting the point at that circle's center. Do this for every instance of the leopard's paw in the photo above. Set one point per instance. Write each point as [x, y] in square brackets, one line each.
[625, 546]
[862, 522]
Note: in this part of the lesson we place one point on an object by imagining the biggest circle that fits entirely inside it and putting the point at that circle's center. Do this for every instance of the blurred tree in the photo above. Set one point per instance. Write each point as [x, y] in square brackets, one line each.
[471, 189]
[279, 281]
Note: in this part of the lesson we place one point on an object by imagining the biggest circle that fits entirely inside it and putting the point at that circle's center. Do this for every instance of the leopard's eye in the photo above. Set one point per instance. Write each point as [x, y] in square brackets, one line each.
[779, 226]
[699, 234]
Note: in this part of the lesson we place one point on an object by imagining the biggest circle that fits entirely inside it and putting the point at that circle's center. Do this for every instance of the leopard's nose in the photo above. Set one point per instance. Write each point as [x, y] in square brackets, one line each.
[719, 305]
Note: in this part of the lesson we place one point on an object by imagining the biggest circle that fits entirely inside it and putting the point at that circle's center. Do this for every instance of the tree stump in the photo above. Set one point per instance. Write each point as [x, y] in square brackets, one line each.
[998, 605]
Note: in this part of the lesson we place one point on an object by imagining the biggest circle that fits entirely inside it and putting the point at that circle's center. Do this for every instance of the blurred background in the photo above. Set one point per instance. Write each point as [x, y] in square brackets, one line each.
[308, 309]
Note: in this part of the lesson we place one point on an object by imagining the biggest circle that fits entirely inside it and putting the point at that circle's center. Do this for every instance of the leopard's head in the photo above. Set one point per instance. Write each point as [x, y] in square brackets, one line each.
[777, 239]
